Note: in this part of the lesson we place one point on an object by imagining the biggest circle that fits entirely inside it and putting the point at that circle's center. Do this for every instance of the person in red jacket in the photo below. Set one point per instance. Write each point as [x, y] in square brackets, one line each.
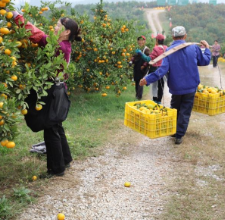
[158, 86]
[58, 151]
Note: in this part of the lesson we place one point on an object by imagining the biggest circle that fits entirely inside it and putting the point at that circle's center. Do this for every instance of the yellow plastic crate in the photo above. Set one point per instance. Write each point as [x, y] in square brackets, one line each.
[211, 104]
[151, 125]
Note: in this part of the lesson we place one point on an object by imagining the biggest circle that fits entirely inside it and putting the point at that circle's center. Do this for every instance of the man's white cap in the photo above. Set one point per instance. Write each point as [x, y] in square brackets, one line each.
[178, 31]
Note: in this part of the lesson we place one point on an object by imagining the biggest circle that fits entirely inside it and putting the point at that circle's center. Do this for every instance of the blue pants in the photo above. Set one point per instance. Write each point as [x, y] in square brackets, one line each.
[183, 104]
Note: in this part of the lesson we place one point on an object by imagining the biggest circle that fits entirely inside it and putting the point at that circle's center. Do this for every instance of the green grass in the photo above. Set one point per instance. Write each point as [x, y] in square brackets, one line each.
[92, 120]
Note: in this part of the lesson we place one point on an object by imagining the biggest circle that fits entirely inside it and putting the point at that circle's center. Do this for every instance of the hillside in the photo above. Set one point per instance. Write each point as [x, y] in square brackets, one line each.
[202, 21]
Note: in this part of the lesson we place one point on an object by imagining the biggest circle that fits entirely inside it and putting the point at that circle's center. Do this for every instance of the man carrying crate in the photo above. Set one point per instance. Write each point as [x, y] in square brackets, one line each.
[183, 76]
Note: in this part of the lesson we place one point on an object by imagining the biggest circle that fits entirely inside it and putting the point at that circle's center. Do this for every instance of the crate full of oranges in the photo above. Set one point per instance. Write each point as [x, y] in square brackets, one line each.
[151, 119]
[209, 100]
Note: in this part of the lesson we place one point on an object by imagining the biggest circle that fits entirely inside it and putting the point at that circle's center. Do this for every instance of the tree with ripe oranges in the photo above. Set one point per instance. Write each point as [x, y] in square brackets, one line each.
[98, 63]
[20, 70]
[102, 58]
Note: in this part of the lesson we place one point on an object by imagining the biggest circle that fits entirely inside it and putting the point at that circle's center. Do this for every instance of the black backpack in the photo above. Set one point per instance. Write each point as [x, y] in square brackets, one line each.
[54, 111]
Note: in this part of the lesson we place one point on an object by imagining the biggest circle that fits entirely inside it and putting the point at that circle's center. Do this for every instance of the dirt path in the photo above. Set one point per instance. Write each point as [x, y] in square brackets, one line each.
[94, 188]
[153, 20]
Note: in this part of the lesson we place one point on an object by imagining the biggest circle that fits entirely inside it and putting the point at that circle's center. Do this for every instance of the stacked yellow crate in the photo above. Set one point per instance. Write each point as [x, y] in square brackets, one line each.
[209, 100]
[150, 119]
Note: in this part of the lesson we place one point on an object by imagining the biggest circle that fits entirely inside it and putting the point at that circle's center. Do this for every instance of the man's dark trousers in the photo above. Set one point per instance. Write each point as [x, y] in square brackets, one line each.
[139, 90]
[183, 104]
[215, 60]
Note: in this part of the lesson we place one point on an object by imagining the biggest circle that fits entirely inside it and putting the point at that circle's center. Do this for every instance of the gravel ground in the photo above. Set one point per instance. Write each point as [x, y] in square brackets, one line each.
[94, 189]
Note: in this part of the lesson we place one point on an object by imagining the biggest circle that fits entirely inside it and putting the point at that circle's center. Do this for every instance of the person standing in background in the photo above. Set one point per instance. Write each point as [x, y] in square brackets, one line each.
[139, 70]
[158, 86]
[215, 52]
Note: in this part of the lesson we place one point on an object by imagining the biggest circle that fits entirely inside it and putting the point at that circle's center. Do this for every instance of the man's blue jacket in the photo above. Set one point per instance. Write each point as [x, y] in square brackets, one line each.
[182, 68]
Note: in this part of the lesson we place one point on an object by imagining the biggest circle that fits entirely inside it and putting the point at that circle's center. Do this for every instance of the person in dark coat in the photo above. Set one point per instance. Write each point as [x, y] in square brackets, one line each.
[139, 69]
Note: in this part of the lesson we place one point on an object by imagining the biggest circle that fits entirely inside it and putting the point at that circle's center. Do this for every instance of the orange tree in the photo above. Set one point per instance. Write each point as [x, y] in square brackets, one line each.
[101, 59]
[98, 62]
[23, 67]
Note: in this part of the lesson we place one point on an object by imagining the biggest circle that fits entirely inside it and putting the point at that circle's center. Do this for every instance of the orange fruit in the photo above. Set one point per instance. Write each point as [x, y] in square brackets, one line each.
[4, 95]
[44, 9]
[40, 12]
[3, 12]
[10, 144]
[34, 45]
[14, 63]
[19, 44]
[4, 30]
[23, 10]
[1, 104]
[22, 86]
[24, 111]
[34, 178]
[9, 24]
[104, 94]
[38, 107]
[6, 1]
[127, 184]
[124, 88]
[107, 87]
[60, 216]
[1, 39]
[8, 51]
[9, 15]
[2, 122]
[4, 142]
[13, 58]
[14, 77]
[2, 4]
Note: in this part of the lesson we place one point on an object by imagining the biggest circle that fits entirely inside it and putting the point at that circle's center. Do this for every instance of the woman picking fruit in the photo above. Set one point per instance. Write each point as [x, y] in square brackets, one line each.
[58, 151]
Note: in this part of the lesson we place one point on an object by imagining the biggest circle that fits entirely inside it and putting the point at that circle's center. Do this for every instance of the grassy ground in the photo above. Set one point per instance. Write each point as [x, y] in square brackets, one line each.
[91, 122]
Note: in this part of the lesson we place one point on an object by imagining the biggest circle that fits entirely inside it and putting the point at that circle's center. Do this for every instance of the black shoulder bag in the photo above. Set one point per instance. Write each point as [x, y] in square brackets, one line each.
[54, 111]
